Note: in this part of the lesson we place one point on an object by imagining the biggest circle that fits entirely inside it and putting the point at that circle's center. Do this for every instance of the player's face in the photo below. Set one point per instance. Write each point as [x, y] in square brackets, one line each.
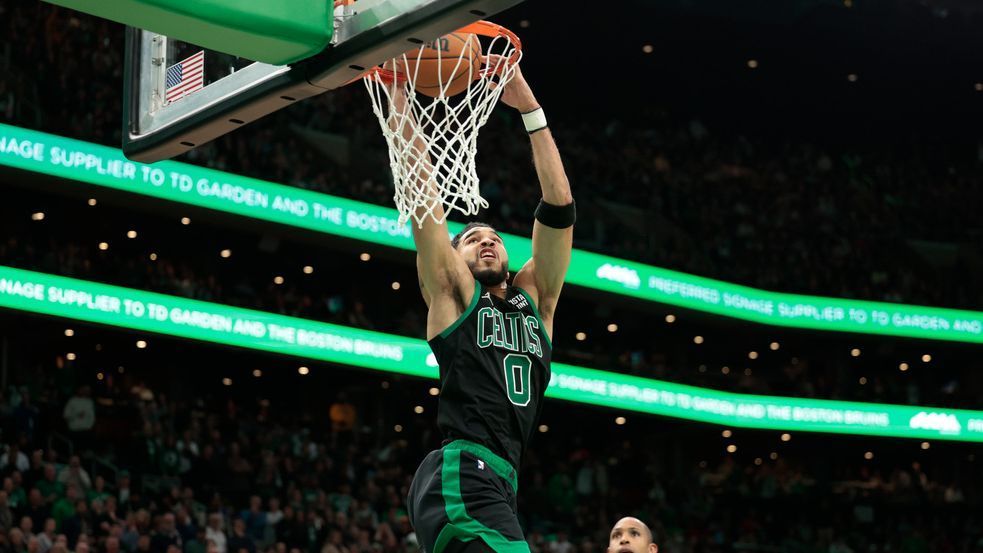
[485, 254]
[629, 535]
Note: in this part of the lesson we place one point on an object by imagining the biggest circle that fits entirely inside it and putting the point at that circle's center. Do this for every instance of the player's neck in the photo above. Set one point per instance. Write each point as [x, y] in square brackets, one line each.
[498, 291]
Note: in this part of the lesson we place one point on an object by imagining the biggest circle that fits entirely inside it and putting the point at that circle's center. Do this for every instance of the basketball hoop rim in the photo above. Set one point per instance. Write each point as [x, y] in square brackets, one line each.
[483, 28]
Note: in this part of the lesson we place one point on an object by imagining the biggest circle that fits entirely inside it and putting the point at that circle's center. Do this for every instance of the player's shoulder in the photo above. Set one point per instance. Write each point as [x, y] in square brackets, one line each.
[520, 298]
[524, 284]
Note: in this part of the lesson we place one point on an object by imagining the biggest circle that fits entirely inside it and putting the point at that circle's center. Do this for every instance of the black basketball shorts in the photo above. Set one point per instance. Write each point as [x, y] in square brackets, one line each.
[464, 492]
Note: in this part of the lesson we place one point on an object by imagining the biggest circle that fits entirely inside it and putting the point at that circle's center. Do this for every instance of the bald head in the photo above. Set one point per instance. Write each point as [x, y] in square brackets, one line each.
[631, 535]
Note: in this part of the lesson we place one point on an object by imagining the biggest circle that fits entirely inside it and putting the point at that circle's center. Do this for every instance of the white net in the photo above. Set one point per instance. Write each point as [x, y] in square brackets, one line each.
[433, 141]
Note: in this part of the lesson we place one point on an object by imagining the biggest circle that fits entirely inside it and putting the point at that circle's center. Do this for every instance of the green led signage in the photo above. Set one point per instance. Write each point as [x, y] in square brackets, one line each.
[82, 162]
[137, 310]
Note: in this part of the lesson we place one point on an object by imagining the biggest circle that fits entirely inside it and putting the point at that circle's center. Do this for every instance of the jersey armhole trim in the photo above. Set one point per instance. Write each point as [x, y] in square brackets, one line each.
[535, 310]
[464, 315]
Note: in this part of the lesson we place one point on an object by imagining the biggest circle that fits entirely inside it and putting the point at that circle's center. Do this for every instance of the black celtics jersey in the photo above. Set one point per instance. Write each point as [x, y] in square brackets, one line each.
[494, 369]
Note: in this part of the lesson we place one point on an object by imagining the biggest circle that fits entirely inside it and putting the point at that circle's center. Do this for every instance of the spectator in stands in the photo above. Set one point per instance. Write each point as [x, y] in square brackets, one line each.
[47, 536]
[184, 525]
[64, 507]
[14, 459]
[196, 543]
[291, 530]
[74, 476]
[96, 517]
[37, 509]
[104, 517]
[143, 544]
[343, 418]
[240, 471]
[273, 512]
[98, 490]
[6, 515]
[80, 416]
[562, 543]
[78, 524]
[214, 532]
[111, 545]
[166, 535]
[239, 541]
[254, 519]
[342, 500]
[60, 545]
[16, 542]
[36, 471]
[129, 537]
[49, 486]
[123, 487]
[16, 496]
[26, 417]
[26, 527]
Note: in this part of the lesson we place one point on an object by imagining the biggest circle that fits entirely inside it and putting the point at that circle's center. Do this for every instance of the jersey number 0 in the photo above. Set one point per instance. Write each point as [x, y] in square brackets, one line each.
[517, 375]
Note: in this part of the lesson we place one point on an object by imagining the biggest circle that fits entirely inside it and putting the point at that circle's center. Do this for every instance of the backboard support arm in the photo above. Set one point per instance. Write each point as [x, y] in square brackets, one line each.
[365, 38]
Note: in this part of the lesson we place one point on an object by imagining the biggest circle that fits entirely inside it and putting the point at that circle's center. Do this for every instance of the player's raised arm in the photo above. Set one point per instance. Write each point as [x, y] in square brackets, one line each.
[445, 280]
[552, 233]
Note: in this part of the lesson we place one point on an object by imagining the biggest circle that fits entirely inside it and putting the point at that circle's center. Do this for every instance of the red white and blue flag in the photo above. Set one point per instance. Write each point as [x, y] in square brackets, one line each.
[184, 77]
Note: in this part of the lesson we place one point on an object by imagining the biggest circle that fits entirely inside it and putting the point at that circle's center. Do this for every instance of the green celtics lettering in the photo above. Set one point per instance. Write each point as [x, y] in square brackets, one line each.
[513, 331]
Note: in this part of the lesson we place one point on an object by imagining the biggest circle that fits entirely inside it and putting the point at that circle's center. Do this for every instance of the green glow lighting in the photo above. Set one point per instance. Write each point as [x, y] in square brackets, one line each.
[220, 324]
[82, 162]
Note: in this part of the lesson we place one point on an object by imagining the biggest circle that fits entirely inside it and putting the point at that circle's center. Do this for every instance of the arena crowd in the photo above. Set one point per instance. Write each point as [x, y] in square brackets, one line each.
[117, 466]
[881, 223]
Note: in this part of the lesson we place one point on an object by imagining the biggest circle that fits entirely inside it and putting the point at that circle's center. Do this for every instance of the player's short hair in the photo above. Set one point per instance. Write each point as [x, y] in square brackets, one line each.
[651, 532]
[473, 224]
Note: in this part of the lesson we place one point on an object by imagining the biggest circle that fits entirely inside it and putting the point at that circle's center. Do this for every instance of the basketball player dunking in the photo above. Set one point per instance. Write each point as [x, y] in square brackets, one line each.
[492, 342]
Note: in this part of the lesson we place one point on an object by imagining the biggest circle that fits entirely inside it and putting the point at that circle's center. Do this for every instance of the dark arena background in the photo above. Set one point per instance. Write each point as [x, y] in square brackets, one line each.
[774, 346]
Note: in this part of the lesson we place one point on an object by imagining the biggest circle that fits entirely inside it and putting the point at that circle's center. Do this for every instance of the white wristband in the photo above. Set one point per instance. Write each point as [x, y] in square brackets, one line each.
[534, 121]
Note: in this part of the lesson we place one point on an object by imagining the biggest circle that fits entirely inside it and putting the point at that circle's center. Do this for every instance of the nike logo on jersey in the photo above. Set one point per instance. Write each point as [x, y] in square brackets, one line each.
[481, 465]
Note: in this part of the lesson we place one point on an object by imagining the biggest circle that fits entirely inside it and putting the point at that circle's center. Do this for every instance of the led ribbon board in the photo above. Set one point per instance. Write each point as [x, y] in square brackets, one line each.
[221, 324]
[83, 162]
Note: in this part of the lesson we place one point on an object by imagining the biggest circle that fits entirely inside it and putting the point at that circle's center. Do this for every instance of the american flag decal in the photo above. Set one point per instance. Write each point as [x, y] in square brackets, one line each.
[184, 77]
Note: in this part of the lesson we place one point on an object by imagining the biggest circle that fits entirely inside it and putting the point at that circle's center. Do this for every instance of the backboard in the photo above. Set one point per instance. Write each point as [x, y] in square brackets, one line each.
[178, 95]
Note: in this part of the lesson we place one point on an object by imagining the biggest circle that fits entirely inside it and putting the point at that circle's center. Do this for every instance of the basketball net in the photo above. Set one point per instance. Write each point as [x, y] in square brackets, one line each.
[433, 141]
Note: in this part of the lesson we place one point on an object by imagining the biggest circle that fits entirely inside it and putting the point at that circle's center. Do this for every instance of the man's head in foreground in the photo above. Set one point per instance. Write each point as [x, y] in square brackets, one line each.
[631, 535]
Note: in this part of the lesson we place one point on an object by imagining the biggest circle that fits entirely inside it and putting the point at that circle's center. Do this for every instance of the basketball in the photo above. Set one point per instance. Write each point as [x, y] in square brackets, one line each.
[439, 64]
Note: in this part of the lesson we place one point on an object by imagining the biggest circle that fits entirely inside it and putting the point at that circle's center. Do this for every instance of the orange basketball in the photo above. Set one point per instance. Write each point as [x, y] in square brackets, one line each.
[439, 66]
